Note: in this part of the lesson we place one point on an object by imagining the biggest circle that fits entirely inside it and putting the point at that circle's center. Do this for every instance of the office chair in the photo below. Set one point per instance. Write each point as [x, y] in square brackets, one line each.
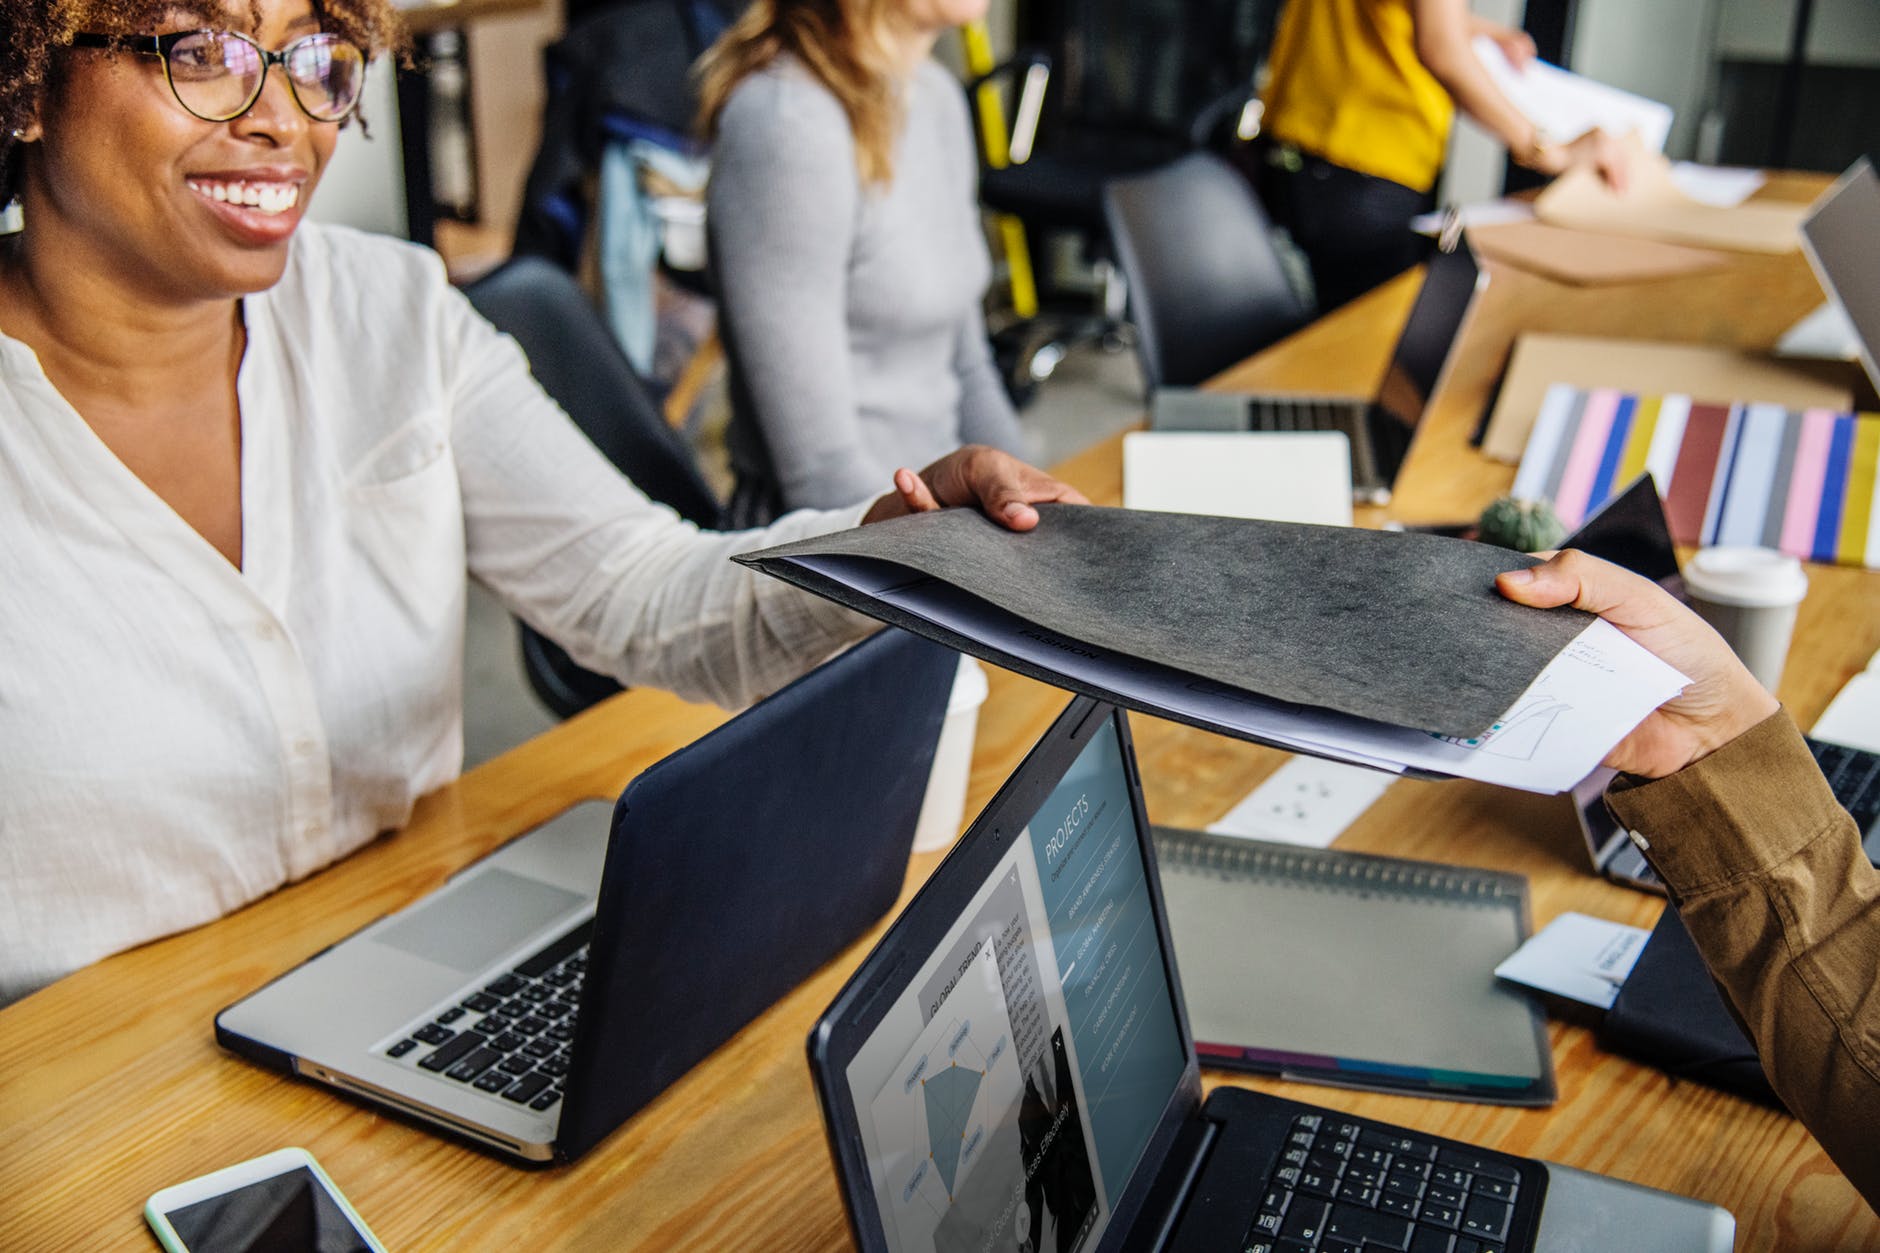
[577, 361]
[622, 72]
[616, 122]
[1110, 88]
[1206, 287]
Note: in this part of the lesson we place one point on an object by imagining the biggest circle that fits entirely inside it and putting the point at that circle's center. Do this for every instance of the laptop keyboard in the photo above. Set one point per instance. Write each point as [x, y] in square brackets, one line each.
[511, 1036]
[1305, 415]
[1344, 1187]
[1854, 774]
[1284, 414]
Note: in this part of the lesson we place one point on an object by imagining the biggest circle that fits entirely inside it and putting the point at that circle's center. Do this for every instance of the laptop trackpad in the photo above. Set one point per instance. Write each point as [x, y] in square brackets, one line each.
[1585, 1213]
[478, 919]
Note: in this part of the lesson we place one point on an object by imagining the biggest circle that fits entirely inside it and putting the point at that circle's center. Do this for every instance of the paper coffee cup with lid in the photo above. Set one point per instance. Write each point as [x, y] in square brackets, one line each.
[944, 808]
[1750, 595]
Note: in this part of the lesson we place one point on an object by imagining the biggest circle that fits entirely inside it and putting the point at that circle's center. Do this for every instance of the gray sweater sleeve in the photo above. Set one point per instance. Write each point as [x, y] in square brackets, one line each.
[782, 204]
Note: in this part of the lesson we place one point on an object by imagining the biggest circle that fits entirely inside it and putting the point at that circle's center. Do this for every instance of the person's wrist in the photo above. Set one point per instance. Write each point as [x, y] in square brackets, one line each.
[1540, 154]
[1748, 707]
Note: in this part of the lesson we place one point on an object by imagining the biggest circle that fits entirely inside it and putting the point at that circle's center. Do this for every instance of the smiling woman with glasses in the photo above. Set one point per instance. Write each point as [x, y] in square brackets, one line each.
[248, 464]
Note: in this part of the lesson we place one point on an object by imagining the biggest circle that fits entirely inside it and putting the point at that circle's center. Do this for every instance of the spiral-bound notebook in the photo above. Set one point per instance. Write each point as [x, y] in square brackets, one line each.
[1354, 970]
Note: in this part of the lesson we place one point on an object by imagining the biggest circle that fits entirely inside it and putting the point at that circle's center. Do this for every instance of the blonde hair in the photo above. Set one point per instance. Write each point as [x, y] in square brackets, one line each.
[839, 42]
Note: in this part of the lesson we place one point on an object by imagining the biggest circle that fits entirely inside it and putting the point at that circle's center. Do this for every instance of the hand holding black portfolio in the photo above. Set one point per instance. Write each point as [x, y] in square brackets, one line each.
[1387, 649]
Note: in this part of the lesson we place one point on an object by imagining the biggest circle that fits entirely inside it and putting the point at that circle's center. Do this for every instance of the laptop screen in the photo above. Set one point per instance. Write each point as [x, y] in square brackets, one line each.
[1007, 1095]
[1428, 334]
[1838, 235]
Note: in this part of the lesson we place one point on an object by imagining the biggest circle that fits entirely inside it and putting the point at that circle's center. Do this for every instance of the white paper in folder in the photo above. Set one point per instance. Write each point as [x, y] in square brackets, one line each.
[1565, 105]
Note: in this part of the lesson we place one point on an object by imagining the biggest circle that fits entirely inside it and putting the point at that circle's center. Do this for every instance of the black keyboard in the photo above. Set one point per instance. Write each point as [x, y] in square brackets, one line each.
[1280, 413]
[511, 1036]
[1854, 774]
[1344, 1187]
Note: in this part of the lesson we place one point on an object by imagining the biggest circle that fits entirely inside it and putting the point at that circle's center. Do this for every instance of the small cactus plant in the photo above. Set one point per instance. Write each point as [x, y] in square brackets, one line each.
[1526, 526]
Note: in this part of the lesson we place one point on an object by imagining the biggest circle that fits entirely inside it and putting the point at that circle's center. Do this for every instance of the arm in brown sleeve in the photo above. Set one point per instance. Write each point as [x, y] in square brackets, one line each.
[1767, 872]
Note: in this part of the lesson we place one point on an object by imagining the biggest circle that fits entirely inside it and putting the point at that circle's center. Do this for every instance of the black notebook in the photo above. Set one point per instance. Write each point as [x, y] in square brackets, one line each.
[1354, 970]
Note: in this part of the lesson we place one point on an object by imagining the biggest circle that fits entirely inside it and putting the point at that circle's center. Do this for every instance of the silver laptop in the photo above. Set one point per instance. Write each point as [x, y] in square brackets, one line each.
[548, 992]
[1013, 1067]
[1838, 236]
[1380, 428]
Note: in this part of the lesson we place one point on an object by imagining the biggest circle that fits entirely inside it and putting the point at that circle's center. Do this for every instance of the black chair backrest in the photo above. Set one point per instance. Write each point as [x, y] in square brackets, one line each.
[1206, 286]
[579, 363]
[1148, 66]
[576, 359]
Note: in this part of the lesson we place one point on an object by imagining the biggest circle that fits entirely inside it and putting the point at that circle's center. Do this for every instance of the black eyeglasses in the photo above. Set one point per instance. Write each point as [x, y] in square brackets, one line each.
[218, 74]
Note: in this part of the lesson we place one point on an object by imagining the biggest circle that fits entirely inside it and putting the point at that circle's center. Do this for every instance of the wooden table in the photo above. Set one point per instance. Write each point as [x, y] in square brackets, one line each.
[111, 1085]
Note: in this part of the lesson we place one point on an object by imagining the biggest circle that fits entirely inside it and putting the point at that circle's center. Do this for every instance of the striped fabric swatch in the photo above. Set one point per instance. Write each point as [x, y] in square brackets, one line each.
[1801, 480]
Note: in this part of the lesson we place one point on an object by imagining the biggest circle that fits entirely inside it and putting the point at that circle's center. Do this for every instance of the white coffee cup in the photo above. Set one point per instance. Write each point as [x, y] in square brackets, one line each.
[1750, 595]
[944, 807]
[681, 231]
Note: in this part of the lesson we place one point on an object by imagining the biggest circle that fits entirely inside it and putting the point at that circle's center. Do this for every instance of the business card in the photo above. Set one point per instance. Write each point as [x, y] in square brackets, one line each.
[1579, 957]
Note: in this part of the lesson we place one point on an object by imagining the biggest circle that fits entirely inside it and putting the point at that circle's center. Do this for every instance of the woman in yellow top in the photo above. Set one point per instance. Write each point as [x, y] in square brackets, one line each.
[1359, 99]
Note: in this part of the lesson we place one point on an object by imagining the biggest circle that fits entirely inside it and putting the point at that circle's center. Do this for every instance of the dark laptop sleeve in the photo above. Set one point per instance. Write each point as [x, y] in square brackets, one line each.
[1669, 1014]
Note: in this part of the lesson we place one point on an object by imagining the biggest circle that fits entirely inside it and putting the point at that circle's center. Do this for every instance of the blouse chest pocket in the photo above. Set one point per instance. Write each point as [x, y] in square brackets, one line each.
[405, 511]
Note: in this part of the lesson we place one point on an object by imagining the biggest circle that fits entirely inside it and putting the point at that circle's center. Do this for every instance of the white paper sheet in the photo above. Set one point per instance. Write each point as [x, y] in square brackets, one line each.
[1565, 105]
[1291, 477]
[1827, 332]
[1308, 801]
[1853, 718]
[1724, 186]
[1583, 958]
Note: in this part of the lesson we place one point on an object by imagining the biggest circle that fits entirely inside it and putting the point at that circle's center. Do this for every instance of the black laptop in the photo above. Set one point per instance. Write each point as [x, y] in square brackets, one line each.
[546, 993]
[1012, 1068]
[1380, 428]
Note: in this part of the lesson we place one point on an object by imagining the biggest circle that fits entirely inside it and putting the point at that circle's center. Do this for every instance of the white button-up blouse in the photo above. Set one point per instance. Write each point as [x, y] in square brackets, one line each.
[179, 737]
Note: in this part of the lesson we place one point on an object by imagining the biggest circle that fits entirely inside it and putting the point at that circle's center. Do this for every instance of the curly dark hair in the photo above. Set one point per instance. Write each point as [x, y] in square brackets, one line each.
[34, 32]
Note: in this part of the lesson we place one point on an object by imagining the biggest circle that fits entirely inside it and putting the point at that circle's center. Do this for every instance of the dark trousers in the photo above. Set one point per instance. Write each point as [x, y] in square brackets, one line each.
[1353, 228]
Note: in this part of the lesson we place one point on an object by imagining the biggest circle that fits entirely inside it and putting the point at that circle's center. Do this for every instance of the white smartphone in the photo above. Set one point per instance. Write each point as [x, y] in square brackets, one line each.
[280, 1203]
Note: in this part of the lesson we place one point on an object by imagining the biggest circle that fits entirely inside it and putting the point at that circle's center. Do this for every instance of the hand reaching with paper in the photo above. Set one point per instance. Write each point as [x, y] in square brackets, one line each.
[1516, 45]
[1000, 484]
[1723, 699]
[1606, 154]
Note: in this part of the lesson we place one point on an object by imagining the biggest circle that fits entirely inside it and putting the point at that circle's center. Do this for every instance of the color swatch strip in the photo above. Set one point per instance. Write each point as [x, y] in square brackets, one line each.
[1801, 480]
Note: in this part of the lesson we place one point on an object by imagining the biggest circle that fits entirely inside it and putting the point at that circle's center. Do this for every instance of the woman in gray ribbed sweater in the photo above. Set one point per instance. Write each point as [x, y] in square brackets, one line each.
[846, 242]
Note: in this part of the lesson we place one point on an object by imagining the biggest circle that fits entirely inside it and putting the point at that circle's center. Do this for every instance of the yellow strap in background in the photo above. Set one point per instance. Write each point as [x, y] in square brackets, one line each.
[1857, 498]
[977, 43]
[978, 47]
